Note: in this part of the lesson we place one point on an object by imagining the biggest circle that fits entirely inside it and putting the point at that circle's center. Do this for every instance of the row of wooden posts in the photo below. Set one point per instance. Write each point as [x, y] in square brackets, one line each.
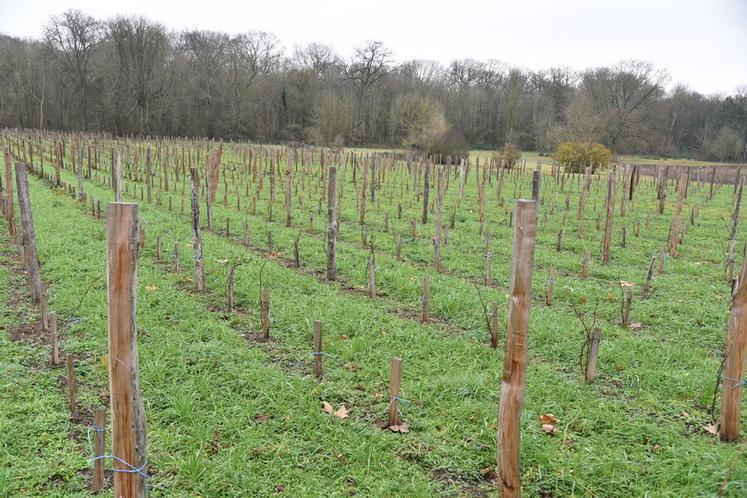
[123, 240]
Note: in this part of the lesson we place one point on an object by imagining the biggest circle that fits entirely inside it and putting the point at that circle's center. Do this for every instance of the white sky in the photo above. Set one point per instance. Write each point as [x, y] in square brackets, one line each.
[702, 43]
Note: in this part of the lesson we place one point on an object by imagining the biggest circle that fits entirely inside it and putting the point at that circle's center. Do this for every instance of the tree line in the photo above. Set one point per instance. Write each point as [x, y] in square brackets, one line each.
[132, 76]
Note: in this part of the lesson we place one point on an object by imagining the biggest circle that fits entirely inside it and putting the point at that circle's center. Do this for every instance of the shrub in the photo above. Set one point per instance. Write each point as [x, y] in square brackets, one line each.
[576, 156]
[509, 155]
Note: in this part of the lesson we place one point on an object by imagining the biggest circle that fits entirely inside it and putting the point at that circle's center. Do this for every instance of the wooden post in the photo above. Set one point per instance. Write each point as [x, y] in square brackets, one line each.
[439, 222]
[99, 445]
[627, 303]
[128, 410]
[9, 191]
[426, 189]
[158, 248]
[265, 313]
[591, 364]
[229, 289]
[197, 239]
[514, 368]
[674, 237]
[54, 358]
[610, 218]
[116, 177]
[371, 276]
[535, 185]
[28, 234]
[494, 326]
[394, 392]
[288, 193]
[488, 281]
[733, 373]
[426, 299]
[318, 349]
[398, 248]
[71, 386]
[148, 175]
[176, 257]
[332, 225]
[81, 192]
[649, 275]
[362, 219]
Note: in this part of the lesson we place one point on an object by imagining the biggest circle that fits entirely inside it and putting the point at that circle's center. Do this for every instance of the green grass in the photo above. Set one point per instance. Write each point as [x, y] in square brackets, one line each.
[637, 431]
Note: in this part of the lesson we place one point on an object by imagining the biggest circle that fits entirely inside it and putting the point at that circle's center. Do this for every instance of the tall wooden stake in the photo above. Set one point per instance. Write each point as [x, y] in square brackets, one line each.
[332, 225]
[197, 240]
[128, 411]
[610, 218]
[28, 234]
[736, 350]
[514, 367]
[394, 391]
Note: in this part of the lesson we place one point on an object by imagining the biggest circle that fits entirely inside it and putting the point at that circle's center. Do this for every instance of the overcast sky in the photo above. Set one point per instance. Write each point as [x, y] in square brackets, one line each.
[702, 43]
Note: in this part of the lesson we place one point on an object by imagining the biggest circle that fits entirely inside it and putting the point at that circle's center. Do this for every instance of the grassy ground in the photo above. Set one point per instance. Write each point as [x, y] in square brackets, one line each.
[230, 415]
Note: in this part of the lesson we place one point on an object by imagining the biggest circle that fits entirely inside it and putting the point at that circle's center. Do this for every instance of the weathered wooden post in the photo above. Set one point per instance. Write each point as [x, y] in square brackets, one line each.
[674, 237]
[197, 238]
[28, 234]
[649, 275]
[494, 326]
[128, 410]
[229, 289]
[71, 383]
[81, 192]
[371, 276]
[591, 364]
[54, 358]
[116, 176]
[318, 349]
[332, 224]
[394, 392]
[99, 444]
[610, 218]
[265, 305]
[736, 348]
[426, 299]
[9, 192]
[426, 189]
[514, 368]
[439, 222]
[585, 265]
[627, 304]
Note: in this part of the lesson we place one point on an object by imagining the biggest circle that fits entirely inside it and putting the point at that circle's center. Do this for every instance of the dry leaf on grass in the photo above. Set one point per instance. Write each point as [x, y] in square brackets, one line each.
[635, 326]
[341, 412]
[150, 288]
[711, 428]
[548, 418]
[549, 429]
[624, 284]
[401, 427]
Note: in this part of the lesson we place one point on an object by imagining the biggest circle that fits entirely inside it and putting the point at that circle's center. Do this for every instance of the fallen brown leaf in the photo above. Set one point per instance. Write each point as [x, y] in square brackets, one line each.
[341, 412]
[711, 428]
[549, 429]
[401, 427]
[548, 418]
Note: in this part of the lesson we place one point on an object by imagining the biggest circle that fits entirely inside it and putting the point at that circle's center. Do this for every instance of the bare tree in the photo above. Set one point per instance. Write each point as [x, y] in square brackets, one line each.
[72, 38]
